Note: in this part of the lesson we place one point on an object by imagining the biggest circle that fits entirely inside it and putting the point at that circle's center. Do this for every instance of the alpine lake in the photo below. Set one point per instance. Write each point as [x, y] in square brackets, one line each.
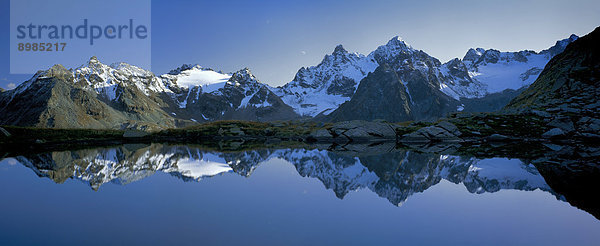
[315, 194]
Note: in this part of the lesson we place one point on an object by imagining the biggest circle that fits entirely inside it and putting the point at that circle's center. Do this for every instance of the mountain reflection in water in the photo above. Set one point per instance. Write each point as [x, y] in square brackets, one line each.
[394, 174]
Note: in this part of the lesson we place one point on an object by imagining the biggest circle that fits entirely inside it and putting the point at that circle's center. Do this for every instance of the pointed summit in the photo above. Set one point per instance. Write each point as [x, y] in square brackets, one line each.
[392, 50]
[397, 41]
[339, 50]
[94, 60]
[473, 54]
[573, 37]
[243, 76]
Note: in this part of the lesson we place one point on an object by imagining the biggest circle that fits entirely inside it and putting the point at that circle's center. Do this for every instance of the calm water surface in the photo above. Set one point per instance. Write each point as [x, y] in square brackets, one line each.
[185, 195]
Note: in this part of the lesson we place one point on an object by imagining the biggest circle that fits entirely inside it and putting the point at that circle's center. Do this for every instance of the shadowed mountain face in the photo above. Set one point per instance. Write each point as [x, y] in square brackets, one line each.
[367, 103]
[393, 174]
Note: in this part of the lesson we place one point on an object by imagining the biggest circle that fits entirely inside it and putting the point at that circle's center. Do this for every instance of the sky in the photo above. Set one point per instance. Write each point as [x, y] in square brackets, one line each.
[276, 38]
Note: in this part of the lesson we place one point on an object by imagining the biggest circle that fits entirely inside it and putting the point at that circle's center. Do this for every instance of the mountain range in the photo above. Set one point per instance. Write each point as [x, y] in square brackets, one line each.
[395, 82]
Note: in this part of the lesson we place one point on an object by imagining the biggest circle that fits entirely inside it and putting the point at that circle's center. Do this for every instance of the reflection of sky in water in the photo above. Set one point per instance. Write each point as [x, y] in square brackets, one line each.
[277, 205]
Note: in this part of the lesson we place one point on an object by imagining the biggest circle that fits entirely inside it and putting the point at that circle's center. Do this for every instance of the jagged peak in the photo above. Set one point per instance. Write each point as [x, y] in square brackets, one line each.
[185, 67]
[397, 41]
[454, 62]
[120, 65]
[339, 49]
[56, 71]
[473, 54]
[93, 60]
[392, 48]
[243, 75]
[244, 71]
[93, 63]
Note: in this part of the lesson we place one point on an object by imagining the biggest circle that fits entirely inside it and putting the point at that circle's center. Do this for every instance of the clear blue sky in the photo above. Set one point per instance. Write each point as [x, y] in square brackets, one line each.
[276, 38]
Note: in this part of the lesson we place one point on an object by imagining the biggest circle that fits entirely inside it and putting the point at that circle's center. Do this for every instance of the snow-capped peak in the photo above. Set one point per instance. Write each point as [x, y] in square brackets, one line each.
[473, 54]
[398, 41]
[106, 79]
[395, 46]
[243, 76]
[397, 53]
[93, 60]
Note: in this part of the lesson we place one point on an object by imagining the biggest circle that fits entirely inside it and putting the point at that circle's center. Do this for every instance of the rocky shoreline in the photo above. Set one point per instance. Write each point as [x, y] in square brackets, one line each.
[464, 128]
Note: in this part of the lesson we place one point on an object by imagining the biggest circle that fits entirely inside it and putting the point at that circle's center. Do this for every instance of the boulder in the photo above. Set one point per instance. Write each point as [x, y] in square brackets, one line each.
[497, 138]
[321, 134]
[554, 132]
[430, 134]
[363, 130]
[563, 123]
[588, 124]
[415, 137]
[449, 127]
[542, 114]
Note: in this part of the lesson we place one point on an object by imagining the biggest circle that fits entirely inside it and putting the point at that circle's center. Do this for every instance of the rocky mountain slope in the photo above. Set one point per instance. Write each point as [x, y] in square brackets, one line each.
[570, 82]
[120, 96]
[566, 93]
[57, 98]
